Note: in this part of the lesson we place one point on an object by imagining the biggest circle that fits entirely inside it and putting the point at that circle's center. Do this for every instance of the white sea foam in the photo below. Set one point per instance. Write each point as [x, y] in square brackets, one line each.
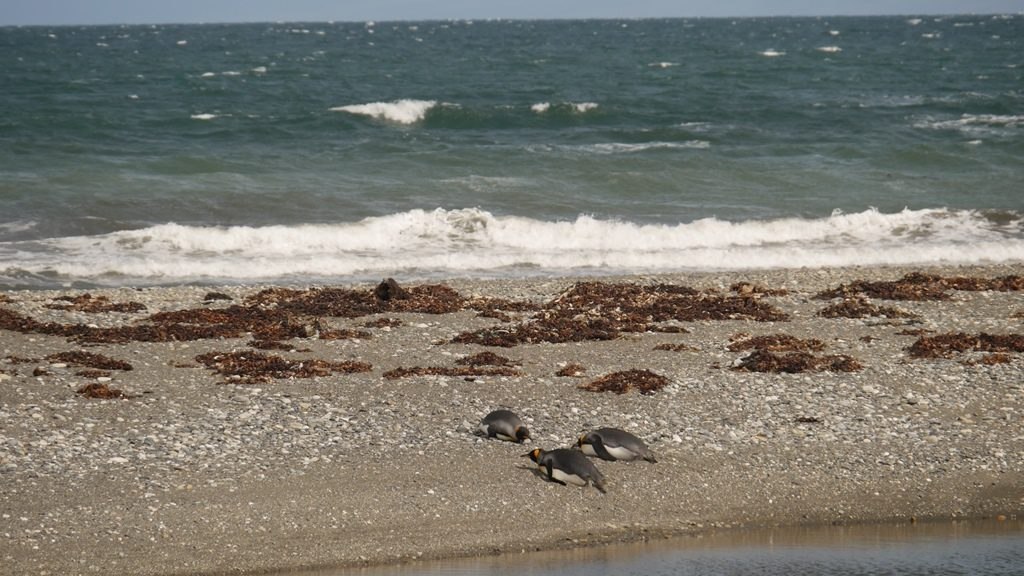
[443, 243]
[771, 53]
[577, 107]
[17, 226]
[663, 64]
[974, 123]
[830, 49]
[203, 116]
[406, 111]
[623, 147]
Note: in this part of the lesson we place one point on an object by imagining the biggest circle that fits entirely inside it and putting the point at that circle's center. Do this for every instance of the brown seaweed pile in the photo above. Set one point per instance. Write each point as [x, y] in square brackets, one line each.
[587, 311]
[272, 314]
[666, 347]
[90, 360]
[794, 362]
[485, 359]
[995, 358]
[643, 381]
[93, 304]
[860, 307]
[384, 323]
[789, 354]
[951, 344]
[185, 325]
[101, 390]
[915, 332]
[463, 371]
[347, 303]
[571, 370]
[214, 296]
[748, 289]
[919, 286]
[775, 343]
[255, 367]
[10, 320]
[602, 311]
[272, 345]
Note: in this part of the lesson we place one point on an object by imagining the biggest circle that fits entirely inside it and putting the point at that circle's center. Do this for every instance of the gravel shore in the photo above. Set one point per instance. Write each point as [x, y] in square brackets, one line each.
[195, 471]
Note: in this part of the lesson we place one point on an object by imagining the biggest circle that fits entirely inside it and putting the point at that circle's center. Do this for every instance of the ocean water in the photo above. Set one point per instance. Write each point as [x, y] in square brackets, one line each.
[333, 152]
[977, 548]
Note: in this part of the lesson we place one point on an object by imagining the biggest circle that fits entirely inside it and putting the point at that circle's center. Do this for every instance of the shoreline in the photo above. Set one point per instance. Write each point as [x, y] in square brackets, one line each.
[200, 472]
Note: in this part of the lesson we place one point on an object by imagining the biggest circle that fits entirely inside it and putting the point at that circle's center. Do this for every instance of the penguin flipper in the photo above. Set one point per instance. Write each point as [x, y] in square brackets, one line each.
[600, 450]
[551, 476]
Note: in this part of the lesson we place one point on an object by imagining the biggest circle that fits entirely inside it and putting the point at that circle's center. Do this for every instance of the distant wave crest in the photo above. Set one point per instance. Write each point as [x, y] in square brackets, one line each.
[445, 243]
[577, 107]
[405, 111]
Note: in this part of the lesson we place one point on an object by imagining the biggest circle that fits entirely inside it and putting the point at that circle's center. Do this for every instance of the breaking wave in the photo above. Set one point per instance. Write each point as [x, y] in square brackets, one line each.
[406, 111]
[473, 242]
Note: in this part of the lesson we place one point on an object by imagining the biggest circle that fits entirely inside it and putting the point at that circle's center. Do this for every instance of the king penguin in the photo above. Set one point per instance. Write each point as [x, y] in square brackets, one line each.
[567, 466]
[615, 444]
[504, 425]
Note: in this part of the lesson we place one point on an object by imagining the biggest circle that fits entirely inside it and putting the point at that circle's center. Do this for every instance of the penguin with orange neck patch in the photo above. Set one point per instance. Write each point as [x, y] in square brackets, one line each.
[567, 466]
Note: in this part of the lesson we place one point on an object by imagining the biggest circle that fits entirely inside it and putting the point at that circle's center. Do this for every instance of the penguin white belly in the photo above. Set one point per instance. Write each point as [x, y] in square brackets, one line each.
[620, 453]
[562, 476]
[588, 449]
[505, 437]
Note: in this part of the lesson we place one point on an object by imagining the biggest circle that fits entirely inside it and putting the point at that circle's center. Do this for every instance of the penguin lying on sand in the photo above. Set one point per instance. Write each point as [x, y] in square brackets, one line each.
[567, 466]
[503, 425]
[614, 444]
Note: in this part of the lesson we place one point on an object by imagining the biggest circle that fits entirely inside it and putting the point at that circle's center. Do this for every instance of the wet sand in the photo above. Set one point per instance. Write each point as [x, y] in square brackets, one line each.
[200, 472]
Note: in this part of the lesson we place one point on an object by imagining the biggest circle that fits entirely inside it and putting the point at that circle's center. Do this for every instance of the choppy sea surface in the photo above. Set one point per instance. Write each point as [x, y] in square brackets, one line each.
[325, 152]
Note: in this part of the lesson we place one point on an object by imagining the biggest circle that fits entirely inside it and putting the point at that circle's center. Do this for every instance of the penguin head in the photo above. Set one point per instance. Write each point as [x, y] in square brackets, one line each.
[534, 454]
[584, 439]
[522, 433]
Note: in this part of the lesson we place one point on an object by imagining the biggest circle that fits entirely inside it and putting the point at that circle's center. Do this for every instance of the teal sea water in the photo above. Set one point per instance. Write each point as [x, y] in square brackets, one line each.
[323, 152]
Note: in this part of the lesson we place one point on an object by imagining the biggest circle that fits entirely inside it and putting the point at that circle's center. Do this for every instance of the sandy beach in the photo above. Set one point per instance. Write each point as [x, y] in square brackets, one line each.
[246, 429]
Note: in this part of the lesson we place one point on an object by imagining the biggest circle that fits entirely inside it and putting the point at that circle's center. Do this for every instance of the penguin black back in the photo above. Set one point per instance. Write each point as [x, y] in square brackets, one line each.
[614, 444]
[504, 425]
[567, 466]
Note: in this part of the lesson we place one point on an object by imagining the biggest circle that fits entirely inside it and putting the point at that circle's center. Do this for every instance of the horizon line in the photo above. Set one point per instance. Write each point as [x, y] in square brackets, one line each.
[513, 19]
